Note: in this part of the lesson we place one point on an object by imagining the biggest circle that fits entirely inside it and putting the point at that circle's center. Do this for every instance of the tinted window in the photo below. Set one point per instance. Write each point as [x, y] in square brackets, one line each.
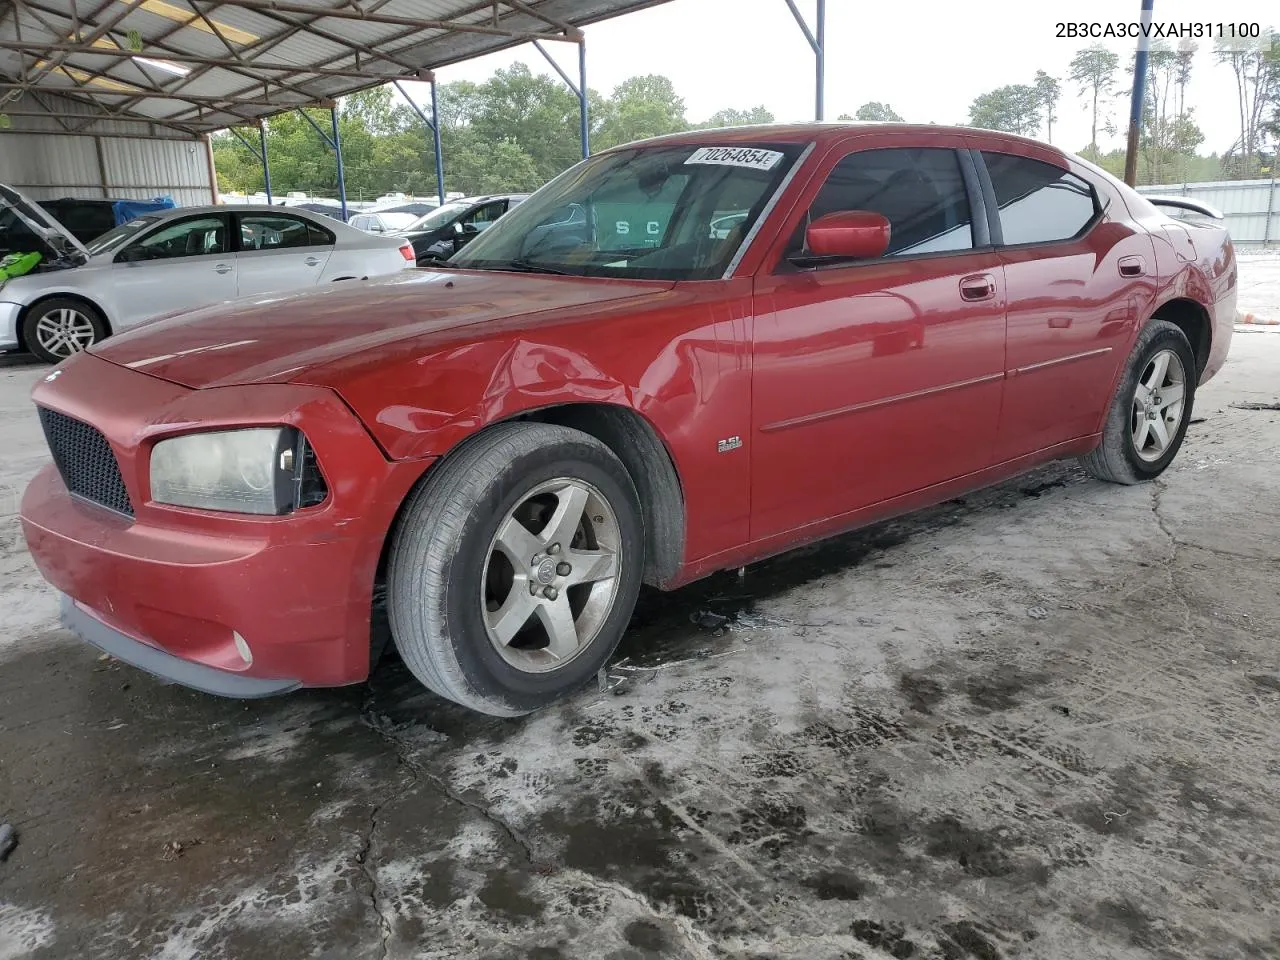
[269, 231]
[481, 217]
[1039, 203]
[920, 191]
[186, 238]
[320, 237]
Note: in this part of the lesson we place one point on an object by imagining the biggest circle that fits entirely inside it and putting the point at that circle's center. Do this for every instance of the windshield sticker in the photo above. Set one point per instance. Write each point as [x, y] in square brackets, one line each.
[750, 157]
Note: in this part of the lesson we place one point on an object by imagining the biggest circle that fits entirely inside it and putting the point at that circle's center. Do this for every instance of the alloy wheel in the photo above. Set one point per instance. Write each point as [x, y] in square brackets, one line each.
[551, 575]
[1158, 405]
[65, 331]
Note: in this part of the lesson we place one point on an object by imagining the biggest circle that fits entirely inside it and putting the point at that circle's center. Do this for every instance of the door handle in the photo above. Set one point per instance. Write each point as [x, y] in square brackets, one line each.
[1132, 267]
[312, 261]
[980, 286]
[222, 268]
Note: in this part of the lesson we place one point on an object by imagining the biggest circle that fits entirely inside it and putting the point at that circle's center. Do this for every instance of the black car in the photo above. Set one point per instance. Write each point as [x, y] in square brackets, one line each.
[442, 232]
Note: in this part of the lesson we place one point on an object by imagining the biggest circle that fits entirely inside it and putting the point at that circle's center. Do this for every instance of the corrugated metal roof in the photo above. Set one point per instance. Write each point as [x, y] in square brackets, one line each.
[186, 69]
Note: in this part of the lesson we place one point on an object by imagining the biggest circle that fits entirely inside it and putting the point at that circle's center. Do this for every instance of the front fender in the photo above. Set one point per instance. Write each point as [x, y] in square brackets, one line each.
[478, 384]
[682, 363]
[24, 292]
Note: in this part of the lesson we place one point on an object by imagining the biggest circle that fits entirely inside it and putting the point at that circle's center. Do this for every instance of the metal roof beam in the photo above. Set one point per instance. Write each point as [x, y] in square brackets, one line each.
[352, 13]
[164, 95]
[53, 62]
[289, 68]
[189, 138]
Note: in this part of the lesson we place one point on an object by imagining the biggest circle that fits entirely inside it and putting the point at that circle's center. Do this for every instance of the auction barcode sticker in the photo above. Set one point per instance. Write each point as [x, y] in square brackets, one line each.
[751, 157]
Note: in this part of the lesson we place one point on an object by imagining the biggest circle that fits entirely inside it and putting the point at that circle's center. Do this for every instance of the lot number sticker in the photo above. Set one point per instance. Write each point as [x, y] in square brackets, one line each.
[749, 157]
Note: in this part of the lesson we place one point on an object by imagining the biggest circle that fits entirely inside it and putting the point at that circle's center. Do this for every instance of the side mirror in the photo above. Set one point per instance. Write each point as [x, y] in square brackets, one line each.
[849, 234]
[131, 255]
[458, 229]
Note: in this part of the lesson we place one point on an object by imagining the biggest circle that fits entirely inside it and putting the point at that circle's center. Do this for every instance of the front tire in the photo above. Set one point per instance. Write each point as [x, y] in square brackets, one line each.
[1151, 409]
[515, 567]
[57, 328]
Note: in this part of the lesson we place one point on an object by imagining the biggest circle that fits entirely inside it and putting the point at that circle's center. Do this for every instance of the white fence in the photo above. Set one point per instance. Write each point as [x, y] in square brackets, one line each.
[1252, 207]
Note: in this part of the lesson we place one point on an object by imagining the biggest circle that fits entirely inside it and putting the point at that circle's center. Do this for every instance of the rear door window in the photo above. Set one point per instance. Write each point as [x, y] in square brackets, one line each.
[270, 231]
[919, 190]
[1039, 203]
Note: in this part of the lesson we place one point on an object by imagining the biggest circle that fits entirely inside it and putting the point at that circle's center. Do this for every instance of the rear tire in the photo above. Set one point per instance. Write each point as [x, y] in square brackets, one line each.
[1151, 409]
[55, 329]
[515, 567]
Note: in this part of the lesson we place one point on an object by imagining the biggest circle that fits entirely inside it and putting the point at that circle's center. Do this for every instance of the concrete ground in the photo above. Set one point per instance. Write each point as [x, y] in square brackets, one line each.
[1042, 721]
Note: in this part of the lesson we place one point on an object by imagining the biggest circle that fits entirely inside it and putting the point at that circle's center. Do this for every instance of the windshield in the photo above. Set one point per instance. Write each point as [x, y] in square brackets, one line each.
[117, 236]
[439, 216]
[659, 213]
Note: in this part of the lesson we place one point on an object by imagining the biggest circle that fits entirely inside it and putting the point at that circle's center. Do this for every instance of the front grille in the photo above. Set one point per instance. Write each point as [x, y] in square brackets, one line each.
[85, 460]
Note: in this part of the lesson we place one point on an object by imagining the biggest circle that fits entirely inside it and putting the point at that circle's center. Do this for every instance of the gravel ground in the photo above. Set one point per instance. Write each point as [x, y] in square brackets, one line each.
[1040, 721]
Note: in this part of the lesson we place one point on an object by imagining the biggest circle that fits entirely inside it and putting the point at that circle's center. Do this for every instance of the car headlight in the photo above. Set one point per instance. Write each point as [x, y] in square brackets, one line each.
[263, 470]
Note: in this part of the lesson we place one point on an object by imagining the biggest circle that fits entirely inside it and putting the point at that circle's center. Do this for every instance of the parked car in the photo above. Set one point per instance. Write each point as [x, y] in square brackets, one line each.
[331, 210]
[415, 208]
[444, 231]
[506, 447]
[83, 219]
[388, 222]
[170, 261]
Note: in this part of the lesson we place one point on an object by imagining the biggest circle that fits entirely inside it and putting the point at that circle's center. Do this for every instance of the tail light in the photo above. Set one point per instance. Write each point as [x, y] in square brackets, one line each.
[406, 251]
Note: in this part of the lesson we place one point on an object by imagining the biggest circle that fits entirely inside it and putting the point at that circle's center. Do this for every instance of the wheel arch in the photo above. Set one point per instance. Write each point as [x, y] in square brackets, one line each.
[637, 443]
[1192, 319]
[59, 295]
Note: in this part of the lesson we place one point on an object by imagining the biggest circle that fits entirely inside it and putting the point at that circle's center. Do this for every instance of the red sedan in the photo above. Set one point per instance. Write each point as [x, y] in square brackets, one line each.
[678, 357]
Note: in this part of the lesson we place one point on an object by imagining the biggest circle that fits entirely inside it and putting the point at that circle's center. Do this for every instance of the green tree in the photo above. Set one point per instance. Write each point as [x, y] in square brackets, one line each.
[1093, 70]
[875, 110]
[1014, 109]
[729, 117]
[535, 111]
[1050, 91]
[641, 107]
[1257, 76]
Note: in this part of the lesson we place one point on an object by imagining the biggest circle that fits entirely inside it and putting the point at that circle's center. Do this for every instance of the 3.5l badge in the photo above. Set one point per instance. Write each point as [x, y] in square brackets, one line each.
[731, 443]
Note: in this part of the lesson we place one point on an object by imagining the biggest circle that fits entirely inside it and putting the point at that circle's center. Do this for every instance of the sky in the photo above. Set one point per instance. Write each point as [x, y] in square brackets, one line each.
[740, 53]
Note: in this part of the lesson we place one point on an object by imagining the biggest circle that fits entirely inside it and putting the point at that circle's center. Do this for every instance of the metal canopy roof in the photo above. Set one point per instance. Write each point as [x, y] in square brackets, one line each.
[193, 66]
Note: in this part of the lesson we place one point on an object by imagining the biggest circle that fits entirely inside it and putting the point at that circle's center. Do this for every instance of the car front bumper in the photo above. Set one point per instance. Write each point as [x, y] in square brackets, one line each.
[230, 604]
[167, 666]
[9, 313]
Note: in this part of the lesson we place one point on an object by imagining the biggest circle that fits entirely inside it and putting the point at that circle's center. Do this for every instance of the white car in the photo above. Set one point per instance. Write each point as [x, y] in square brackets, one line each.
[160, 263]
[382, 221]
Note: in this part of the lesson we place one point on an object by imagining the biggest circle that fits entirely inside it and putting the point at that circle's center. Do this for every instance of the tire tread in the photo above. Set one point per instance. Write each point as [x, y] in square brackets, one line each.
[426, 539]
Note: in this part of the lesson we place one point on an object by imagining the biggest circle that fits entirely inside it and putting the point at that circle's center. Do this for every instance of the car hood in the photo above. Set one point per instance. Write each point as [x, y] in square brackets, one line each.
[273, 339]
[40, 222]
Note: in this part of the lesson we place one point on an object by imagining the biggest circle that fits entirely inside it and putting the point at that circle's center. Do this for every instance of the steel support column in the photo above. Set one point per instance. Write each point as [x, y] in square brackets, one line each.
[337, 150]
[266, 165]
[579, 89]
[259, 153]
[435, 139]
[335, 144]
[584, 120]
[817, 40]
[433, 124]
[1138, 97]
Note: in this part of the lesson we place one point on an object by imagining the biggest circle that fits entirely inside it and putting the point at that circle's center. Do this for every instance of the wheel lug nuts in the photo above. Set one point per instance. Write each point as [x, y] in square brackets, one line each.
[553, 549]
[563, 569]
[533, 589]
[550, 593]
